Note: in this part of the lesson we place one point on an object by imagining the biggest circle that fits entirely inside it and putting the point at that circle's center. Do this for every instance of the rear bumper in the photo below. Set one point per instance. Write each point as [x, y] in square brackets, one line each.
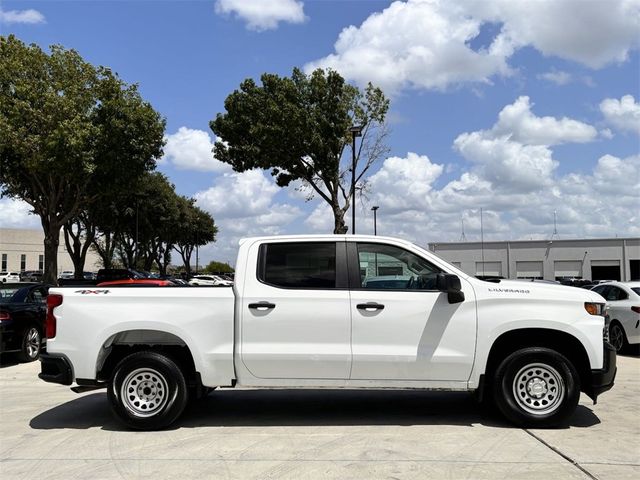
[602, 380]
[55, 369]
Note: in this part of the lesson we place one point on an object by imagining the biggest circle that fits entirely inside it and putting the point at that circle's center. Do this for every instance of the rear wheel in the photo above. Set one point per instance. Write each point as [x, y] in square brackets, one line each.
[31, 342]
[536, 387]
[617, 337]
[148, 391]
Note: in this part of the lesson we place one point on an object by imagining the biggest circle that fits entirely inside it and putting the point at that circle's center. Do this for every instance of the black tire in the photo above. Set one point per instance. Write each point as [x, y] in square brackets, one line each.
[618, 337]
[31, 344]
[147, 391]
[547, 386]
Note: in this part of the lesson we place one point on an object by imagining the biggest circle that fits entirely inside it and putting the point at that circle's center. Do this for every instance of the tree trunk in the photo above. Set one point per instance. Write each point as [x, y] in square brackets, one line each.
[340, 228]
[51, 243]
[76, 249]
[106, 250]
[185, 252]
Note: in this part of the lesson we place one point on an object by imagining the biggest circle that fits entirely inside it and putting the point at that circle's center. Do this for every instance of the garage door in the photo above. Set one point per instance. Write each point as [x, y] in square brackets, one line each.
[529, 269]
[489, 269]
[567, 268]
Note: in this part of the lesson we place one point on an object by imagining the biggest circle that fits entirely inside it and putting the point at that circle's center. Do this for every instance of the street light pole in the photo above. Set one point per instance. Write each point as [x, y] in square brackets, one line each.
[375, 219]
[356, 131]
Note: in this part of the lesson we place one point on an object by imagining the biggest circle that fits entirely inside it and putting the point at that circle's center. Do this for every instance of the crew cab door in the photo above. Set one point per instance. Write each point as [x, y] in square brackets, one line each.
[403, 328]
[295, 311]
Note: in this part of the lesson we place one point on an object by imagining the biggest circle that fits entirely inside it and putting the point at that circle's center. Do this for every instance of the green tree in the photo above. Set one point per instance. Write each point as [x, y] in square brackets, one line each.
[298, 127]
[218, 267]
[195, 228]
[69, 132]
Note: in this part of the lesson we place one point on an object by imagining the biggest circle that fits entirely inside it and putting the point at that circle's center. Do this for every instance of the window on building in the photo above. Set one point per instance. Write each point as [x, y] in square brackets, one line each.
[4, 262]
[41, 262]
[23, 262]
[299, 265]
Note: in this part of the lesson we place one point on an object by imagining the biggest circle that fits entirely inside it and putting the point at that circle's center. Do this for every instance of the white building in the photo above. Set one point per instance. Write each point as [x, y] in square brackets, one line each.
[589, 259]
[23, 249]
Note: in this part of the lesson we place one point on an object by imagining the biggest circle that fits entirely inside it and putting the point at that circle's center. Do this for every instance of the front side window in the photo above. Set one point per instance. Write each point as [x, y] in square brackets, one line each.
[386, 267]
[299, 265]
[616, 294]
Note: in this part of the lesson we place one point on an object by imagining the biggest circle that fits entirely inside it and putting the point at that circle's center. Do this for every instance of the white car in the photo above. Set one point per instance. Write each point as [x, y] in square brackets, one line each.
[9, 277]
[623, 307]
[209, 281]
[66, 275]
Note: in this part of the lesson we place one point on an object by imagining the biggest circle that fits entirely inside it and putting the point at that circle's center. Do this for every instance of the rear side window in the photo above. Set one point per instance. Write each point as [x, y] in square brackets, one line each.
[299, 265]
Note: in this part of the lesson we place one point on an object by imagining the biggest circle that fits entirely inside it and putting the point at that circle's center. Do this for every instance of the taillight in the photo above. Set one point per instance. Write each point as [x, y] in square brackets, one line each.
[53, 300]
[4, 316]
[636, 309]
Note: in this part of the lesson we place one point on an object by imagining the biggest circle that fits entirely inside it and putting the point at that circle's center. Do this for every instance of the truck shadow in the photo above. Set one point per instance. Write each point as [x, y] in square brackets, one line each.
[292, 407]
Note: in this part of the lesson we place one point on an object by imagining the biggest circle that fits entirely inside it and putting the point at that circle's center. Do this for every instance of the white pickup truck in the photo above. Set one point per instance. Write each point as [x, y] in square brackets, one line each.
[332, 311]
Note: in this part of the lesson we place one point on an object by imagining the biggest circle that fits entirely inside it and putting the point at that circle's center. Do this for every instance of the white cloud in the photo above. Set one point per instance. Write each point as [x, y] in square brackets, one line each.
[263, 15]
[29, 16]
[523, 126]
[17, 214]
[242, 205]
[556, 76]
[429, 43]
[624, 114]
[192, 149]
[421, 44]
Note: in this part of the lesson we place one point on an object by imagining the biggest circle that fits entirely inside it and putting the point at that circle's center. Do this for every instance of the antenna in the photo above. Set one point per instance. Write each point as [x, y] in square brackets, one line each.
[555, 226]
[463, 237]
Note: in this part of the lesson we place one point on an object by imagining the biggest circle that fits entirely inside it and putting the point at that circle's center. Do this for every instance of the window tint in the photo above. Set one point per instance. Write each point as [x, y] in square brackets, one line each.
[300, 265]
[385, 267]
[37, 296]
[616, 294]
[601, 290]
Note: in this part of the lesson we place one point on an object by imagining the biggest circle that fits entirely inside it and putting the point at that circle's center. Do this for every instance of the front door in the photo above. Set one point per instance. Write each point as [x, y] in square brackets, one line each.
[404, 329]
[296, 320]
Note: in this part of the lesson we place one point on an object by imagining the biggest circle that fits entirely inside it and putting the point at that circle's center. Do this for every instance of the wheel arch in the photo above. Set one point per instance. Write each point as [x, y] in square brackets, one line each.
[123, 343]
[558, 340]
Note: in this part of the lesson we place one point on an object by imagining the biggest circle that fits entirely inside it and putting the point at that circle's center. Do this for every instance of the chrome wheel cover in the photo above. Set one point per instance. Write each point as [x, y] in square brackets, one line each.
[144, 392]
[32, 342]
[538, 389]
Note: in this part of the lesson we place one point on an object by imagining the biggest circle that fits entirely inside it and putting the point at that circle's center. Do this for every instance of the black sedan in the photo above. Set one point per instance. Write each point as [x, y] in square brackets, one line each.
[23, 309]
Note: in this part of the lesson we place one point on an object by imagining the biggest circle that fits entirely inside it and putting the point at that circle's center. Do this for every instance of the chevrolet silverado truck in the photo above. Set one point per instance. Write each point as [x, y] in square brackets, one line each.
[303, 313]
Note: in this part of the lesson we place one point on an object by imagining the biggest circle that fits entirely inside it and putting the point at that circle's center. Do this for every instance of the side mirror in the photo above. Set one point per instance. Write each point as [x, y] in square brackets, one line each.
[449, 283]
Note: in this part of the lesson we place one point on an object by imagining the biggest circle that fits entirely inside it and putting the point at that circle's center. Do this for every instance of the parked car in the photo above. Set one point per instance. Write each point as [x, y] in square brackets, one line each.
[299, 316]
[110, 274]
[89, 275]
[139, 282]
[623, 308]
[9, 277]
[209, 280]
[66, 275]
[23, 309]
[32, 276]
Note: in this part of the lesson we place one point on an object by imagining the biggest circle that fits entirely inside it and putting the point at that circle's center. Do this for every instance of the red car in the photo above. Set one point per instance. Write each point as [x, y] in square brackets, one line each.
[147, 282]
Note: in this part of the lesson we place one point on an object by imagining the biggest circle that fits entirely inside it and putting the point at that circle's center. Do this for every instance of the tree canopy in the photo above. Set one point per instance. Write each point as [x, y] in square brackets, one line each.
[298, 128]
[69, 132]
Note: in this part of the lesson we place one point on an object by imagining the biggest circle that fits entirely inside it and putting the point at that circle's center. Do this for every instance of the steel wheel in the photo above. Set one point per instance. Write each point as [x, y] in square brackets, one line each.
[538, 388]
[616, 336]
[144, 392]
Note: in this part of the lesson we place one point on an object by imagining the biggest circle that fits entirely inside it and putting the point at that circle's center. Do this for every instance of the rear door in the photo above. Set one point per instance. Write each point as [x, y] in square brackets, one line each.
[295, 311]
[404, 329]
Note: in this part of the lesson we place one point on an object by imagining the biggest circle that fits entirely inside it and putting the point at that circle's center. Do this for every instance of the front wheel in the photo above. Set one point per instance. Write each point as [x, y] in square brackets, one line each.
[148, 391]
[617, 337]
[536, 387]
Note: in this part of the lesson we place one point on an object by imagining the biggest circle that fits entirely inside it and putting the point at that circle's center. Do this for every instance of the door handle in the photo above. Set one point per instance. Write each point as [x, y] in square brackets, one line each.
[262, 306]
[370, 306]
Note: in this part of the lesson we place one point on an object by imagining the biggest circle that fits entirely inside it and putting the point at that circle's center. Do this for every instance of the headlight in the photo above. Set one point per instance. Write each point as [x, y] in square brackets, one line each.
[594, 308]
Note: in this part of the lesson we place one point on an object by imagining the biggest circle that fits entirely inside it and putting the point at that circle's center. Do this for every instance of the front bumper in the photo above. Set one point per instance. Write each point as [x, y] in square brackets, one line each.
[602, 380]
[55, 369]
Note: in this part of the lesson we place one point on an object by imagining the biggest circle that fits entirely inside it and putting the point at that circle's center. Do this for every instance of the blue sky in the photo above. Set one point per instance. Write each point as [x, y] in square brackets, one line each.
[564, 74]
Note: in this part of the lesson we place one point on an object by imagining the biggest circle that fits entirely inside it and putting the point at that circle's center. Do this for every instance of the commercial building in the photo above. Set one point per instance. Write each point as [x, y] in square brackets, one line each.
[588, 259]
[23, 249]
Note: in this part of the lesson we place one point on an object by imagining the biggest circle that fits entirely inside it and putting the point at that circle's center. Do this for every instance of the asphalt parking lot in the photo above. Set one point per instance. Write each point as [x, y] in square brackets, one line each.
[49, 432]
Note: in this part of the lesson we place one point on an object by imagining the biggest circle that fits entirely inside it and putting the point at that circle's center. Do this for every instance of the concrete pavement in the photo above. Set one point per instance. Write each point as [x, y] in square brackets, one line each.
[49, 432]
